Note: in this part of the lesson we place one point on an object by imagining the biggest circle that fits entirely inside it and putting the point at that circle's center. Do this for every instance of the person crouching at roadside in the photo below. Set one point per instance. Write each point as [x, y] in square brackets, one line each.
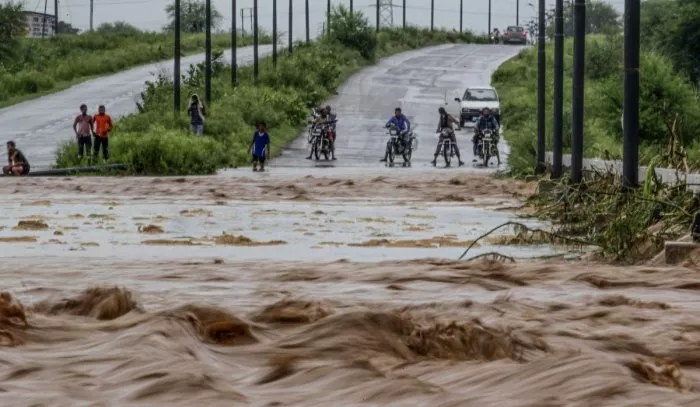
[260, 147]
[17, 162]
[197, 112]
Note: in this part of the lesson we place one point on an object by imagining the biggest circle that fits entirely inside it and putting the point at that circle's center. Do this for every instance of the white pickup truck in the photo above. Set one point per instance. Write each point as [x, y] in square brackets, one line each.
[475, 99]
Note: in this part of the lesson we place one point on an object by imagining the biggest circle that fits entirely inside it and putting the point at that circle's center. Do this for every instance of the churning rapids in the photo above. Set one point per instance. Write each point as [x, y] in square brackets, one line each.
[81, 326]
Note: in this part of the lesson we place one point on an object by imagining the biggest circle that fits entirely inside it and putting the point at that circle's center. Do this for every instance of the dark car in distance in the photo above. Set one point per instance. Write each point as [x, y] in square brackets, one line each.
[515, 35]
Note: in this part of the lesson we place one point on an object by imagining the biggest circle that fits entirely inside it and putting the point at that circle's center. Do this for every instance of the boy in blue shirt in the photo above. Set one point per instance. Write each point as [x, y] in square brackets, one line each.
[260, 147]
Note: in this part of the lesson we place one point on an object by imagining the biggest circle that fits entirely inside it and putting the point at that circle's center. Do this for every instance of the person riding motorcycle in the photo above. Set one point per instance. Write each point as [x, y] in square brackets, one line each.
[325, 116]
[404, 127]
[445, 123]
[485, 122]
[495, 34]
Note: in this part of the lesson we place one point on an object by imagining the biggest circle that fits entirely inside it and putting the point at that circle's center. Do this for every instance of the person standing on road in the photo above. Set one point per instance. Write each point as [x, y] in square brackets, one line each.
[17, 162]
[103, 126]
[260, 147]
[82, 125]
[196, 111]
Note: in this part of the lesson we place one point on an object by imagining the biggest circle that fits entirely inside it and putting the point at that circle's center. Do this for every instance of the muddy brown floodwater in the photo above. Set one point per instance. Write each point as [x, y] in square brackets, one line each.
[233, 330]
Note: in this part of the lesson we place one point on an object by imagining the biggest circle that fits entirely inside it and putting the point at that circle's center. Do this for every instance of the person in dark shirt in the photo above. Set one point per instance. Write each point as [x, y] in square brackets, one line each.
[17, 162]
[260, 147]
[197, 112]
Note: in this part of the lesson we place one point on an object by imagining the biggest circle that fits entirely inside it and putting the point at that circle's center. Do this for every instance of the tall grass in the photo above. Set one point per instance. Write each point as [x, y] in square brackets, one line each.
[665, 95]
[39, 66]
[153, 142]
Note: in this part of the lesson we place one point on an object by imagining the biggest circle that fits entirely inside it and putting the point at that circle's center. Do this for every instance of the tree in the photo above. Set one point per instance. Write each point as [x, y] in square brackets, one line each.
[601, 18]
[118, 28]
[67, 28]
[13, 21]
[193, 16]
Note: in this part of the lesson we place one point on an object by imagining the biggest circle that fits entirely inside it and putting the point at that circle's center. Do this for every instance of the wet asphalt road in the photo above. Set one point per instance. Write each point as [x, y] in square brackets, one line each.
[39, 126]
[419, 82]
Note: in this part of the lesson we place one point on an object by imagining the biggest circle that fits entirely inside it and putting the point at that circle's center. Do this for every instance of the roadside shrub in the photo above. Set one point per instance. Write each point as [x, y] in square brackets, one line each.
[38, 65]
[663, 94]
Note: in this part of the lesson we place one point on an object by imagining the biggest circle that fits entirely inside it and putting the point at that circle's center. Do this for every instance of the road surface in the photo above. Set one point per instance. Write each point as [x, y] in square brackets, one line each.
[419, 82]
[40, 125]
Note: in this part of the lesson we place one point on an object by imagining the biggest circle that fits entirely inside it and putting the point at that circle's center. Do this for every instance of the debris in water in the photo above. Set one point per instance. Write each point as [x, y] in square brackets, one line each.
[150, 229]
[241, 240]
[31, 225]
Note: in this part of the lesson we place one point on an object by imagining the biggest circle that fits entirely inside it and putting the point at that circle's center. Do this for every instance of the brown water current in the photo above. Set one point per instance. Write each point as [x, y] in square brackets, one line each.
[228, 331]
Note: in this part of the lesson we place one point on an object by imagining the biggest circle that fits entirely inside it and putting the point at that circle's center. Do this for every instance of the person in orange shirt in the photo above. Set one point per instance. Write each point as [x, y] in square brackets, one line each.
[103, 126]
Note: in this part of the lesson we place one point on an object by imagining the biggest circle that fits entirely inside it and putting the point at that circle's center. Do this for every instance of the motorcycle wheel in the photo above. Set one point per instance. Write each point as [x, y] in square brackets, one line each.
[487, 154]
[392, 154]
[447, 152]
[317, 153]
[407, 153]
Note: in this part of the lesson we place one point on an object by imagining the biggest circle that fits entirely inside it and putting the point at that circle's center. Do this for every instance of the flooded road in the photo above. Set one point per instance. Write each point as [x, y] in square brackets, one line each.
[338, 286]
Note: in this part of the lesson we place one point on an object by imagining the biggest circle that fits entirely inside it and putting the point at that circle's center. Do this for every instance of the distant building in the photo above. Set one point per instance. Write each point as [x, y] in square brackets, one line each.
[35, 24]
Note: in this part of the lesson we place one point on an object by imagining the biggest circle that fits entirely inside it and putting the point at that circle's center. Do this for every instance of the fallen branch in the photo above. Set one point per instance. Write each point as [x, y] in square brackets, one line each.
[531, 230]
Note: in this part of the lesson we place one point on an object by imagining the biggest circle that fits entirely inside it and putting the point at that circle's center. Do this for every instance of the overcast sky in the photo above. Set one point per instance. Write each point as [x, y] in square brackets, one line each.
[150, 14]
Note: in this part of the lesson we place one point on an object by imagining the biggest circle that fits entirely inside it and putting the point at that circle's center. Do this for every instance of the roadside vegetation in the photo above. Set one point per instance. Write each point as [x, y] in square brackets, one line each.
[669, 113]
[626, 225]
[31, 67]
[153, 142]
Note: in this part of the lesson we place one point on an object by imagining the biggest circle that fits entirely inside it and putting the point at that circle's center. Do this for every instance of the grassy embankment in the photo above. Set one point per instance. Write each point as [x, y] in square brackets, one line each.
[665, 96]
[151, 142]
[41, 66]
[626, 225]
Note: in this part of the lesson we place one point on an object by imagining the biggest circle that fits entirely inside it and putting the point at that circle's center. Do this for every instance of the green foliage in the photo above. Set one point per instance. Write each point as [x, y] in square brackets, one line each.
[282, 97]
[119, 27]
[664, 94]
[193, 15]
[352, 30]
[601, 18]
[13, 23]
[43, 65]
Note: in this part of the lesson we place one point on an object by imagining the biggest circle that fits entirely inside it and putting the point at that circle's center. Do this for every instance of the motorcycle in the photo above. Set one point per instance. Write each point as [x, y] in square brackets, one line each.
[395, 147]
[494, 38]
[447, 148]
[487, 147]
[319, 140]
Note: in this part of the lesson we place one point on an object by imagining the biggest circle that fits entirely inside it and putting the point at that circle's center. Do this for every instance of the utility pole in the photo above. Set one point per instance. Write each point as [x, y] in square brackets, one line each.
[328, 18]
[461, 16]
[207, 52]
[630, 113]
[92, 12]
[489, 17]
[578, 91]
[558, 121]
[352, 7]
[234, 44]
[55, 23]
[43, 21]
[404, 14]
[517, 12]
[541, 66]
[378, 11]
[256, 62]
[274, 33]
[308, 37]
[176, 67]
[432, 15]
[291, 24]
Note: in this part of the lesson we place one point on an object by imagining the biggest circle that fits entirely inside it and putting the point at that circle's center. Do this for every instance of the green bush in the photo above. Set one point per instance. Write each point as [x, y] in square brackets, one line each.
[663, 95]
[282, 97]
[35, 66]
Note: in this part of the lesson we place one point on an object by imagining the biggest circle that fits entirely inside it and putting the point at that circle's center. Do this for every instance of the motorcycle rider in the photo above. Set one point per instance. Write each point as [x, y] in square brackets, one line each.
[485, 122]
[495, 34]
[401, 122]
[445, 123]
[325, 116]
